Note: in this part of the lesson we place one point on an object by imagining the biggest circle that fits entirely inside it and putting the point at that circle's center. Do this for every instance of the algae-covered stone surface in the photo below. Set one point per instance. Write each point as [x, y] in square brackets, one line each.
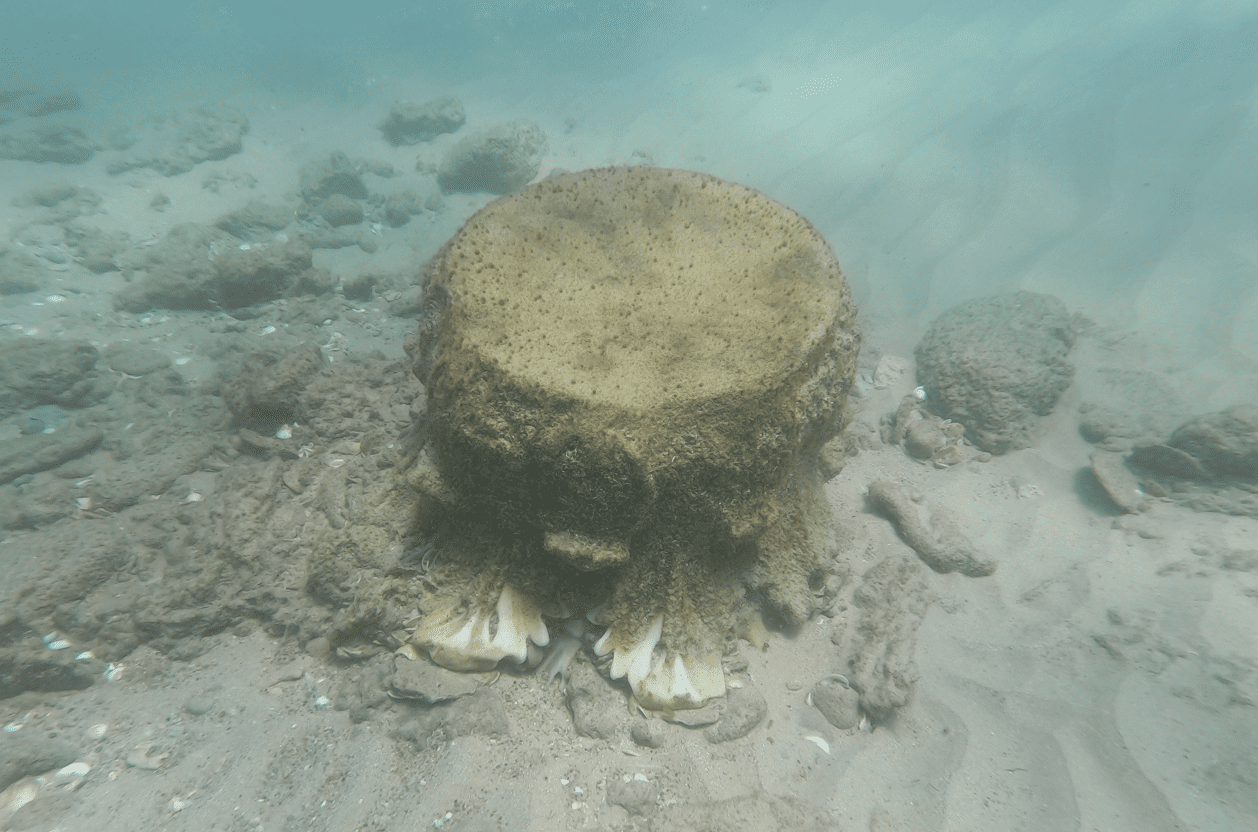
[998, 365]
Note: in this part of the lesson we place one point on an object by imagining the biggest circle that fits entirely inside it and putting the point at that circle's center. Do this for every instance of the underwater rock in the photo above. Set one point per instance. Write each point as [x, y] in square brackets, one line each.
[135, 360]
[746, 708]
[930, 532]
[1225, 443]
[422, 682]
[887, 609]
[597, 711]
[211, 132]
[498, 160]
[176, 145]
[266, 387]
[635, 794]
[630, 375]
[20, 271]
[63, 201]
[36, 371]
[28, 454]
[333, 175]
[1163, 459]
[95, 249]
[338, 210]
[37, 102]
[835, 698]
[996, 365]
[256, 222]
[202, 267]
[39, 142]
[1210, 463]
[410, 123]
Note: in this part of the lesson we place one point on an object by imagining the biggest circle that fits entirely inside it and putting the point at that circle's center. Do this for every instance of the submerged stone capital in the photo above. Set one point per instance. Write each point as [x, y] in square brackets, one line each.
[630, 373]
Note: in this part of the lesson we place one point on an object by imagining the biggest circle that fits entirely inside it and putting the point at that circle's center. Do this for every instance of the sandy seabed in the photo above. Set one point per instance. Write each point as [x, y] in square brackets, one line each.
[1102, 678]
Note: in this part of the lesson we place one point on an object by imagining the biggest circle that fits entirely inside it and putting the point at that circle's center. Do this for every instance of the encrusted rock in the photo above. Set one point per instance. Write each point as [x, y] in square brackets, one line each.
[931, 533]
[410, 123]
[1225, 443]
[1172, 462]
[35, 371]
[837, 701]
[135, 360]
[997, 365]
[498, 160]
[888, 607]
[636, 795]
[202, 267]
[333, 175]
[28, 454]
[339, 210]
[745, 710]
[211, 132]
[266, 387]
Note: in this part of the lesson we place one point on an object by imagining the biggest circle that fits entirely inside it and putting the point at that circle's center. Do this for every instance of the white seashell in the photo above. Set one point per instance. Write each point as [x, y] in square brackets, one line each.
[74, 770]
[920, 394]
[54, 638]
[193, 497]
[84, 503]
[335, 463]
[822, 744]
[84, 656]
[97, 731]
[267, 330]
[284, 433]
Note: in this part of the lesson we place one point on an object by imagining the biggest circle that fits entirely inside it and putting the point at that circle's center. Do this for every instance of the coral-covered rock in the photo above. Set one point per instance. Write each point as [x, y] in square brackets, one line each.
[997, 365]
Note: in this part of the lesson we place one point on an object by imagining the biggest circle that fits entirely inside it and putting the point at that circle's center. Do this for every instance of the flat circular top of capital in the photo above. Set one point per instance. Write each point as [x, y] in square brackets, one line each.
[633, 285]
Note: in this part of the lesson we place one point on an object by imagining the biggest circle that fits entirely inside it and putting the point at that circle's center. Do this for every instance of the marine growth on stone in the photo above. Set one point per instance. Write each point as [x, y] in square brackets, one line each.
[630, 375]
